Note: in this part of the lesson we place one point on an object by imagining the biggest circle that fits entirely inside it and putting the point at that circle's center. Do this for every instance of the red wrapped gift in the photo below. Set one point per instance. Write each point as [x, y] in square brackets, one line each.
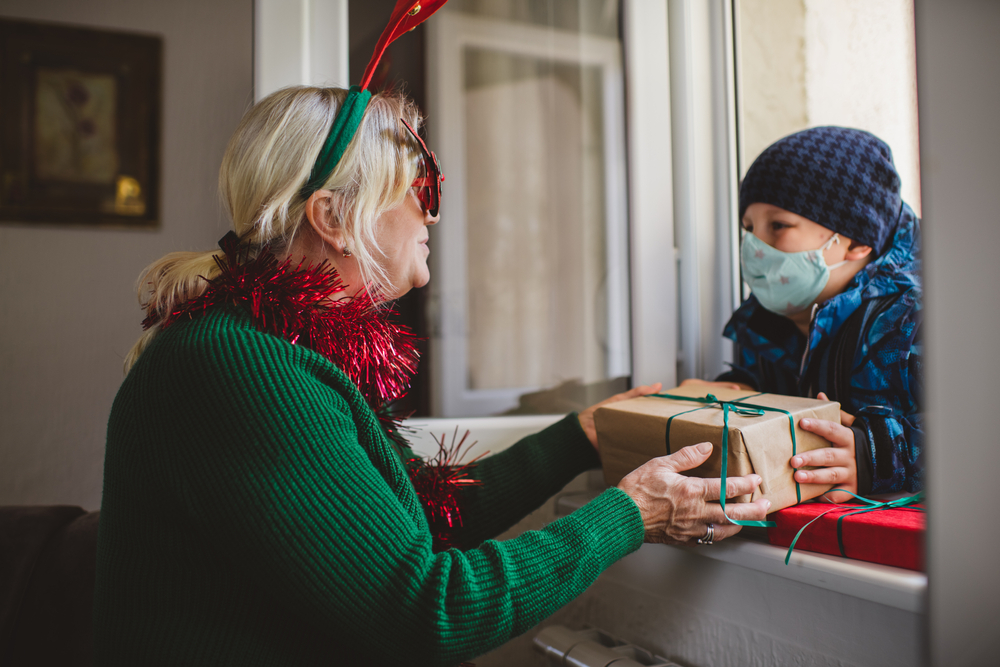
[886, 534]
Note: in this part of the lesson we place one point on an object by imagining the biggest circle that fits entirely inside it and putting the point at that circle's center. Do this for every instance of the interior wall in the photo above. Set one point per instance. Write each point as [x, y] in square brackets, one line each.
[68, 311]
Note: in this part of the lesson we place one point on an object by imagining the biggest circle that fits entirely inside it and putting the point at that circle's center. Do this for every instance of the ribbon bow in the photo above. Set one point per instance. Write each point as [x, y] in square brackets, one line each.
[744, 410]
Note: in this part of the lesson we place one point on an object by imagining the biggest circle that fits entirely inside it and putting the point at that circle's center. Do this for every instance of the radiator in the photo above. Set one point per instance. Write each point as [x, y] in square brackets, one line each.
[593, 648]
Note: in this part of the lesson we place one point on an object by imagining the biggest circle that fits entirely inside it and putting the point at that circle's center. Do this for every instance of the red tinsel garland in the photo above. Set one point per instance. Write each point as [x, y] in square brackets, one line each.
[439, 481]
[298, 304]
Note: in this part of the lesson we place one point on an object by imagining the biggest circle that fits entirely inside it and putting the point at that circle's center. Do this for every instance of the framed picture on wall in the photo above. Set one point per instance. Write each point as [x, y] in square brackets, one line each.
[79, 125]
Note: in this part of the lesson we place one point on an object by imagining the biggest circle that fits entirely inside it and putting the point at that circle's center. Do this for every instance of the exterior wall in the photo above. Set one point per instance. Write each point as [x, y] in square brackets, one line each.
[68, 312]
[861, 71]
[771, 40]
[805, 63]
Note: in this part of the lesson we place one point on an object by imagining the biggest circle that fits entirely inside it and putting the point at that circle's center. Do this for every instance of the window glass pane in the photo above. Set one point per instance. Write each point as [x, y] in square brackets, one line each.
[590, 17]
[533, 221]
[536, 222]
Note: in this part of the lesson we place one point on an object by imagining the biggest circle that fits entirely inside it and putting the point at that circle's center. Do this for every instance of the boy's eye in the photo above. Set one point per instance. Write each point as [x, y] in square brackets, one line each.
[778, 226]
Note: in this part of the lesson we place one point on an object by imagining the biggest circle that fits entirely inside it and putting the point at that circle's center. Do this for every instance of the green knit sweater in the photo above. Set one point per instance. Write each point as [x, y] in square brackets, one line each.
[254, 513]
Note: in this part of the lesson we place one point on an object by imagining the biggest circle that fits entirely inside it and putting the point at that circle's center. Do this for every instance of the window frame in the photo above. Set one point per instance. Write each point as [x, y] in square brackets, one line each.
[318, 27]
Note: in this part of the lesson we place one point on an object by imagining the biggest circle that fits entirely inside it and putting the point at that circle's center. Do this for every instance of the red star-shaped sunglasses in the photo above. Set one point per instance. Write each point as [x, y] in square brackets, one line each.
[427, 184]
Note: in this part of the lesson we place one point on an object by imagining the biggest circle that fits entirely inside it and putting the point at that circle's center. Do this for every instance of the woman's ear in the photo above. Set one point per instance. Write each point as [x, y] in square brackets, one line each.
[857, 251]
[319, 212]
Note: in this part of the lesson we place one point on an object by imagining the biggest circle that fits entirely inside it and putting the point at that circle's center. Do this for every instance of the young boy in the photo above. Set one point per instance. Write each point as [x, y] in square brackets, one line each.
[831, 254]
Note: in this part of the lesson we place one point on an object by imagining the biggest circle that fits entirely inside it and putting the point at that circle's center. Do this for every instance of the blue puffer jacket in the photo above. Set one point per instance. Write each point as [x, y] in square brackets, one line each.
[864, 350]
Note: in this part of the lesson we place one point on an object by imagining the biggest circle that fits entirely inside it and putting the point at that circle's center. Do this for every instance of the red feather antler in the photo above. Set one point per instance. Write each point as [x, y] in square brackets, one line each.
[406, 16]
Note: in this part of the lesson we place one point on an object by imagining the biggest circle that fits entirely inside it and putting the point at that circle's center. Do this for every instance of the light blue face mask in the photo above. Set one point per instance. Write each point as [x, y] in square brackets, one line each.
[785, 282]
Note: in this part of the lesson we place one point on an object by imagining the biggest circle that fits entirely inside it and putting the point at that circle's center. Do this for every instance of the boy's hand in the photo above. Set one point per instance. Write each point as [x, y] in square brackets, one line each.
[723, 385]
[846, 419]
[836, 464]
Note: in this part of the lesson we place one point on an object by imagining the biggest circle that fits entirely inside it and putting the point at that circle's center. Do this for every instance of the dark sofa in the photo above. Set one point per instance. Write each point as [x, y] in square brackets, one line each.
[48, 558]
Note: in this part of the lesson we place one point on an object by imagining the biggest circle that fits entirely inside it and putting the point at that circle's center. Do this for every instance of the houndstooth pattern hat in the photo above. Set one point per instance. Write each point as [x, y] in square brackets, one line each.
[838, 177]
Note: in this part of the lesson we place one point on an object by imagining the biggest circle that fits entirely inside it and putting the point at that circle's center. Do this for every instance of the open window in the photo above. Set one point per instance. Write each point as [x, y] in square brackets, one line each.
[554, 264]
[593, 152]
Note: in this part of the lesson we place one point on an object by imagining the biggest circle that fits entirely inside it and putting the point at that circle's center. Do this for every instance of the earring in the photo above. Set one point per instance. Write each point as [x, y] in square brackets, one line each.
[347, 252]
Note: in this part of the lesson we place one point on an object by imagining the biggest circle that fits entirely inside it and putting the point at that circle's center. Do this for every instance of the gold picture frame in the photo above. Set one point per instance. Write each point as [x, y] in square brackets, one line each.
[79, 125]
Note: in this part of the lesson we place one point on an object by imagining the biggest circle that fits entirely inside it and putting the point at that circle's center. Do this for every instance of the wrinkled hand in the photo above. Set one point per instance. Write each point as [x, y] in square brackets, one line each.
[695, 382]
[835, 464]
[677, 509]
[587, 416]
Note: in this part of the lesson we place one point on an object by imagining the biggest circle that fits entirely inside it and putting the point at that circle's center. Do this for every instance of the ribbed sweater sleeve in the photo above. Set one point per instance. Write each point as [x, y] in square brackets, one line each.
[279, 467]
[521, 478]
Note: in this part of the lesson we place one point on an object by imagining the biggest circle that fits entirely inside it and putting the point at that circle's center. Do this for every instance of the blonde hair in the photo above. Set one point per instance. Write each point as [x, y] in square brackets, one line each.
[268, 161]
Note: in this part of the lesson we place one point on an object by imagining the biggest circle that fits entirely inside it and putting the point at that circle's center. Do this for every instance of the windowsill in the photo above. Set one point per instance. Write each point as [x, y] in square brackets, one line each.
[487, 435]
[891, 586]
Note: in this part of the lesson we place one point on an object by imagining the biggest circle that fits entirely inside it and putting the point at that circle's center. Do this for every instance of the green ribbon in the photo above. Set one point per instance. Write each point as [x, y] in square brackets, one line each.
[344, 127]
[742, 409]
[873, 506]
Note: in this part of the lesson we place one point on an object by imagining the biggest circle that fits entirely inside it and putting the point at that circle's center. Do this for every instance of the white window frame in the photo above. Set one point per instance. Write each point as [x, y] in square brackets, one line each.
[299, 42]
[651, 198]
[706, 185]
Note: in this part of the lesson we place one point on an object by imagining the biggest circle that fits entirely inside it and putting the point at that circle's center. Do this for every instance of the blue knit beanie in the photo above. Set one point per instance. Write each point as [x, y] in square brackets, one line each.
[840, 178]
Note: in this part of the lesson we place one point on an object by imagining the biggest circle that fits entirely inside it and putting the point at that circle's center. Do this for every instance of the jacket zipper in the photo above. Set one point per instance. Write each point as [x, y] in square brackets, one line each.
[805, 354]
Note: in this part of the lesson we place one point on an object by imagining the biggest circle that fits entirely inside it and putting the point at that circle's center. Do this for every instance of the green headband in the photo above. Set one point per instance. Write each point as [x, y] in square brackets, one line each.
[345, 126]
[406, 16]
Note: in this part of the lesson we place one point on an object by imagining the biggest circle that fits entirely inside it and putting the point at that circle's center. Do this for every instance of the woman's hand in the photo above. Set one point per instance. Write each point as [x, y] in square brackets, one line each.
[587, 416]
[835, 464]
[695, 382]
[678, 509]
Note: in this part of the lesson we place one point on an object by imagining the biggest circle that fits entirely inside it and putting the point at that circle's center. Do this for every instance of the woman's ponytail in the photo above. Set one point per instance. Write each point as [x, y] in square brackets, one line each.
[167, 283]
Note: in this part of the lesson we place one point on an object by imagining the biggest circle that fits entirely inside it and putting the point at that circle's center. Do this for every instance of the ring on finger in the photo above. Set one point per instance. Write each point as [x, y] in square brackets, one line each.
[709, 537]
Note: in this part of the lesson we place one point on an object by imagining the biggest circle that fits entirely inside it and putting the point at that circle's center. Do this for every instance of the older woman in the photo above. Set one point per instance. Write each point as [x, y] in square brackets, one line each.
[256, 511]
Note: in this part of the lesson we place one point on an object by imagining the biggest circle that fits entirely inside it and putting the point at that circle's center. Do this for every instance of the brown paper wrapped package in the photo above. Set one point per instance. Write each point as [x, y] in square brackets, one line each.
[632, 432]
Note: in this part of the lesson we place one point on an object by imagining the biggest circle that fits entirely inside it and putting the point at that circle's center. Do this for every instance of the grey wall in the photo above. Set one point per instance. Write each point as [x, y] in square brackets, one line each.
[958, 58]
[68, 312]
